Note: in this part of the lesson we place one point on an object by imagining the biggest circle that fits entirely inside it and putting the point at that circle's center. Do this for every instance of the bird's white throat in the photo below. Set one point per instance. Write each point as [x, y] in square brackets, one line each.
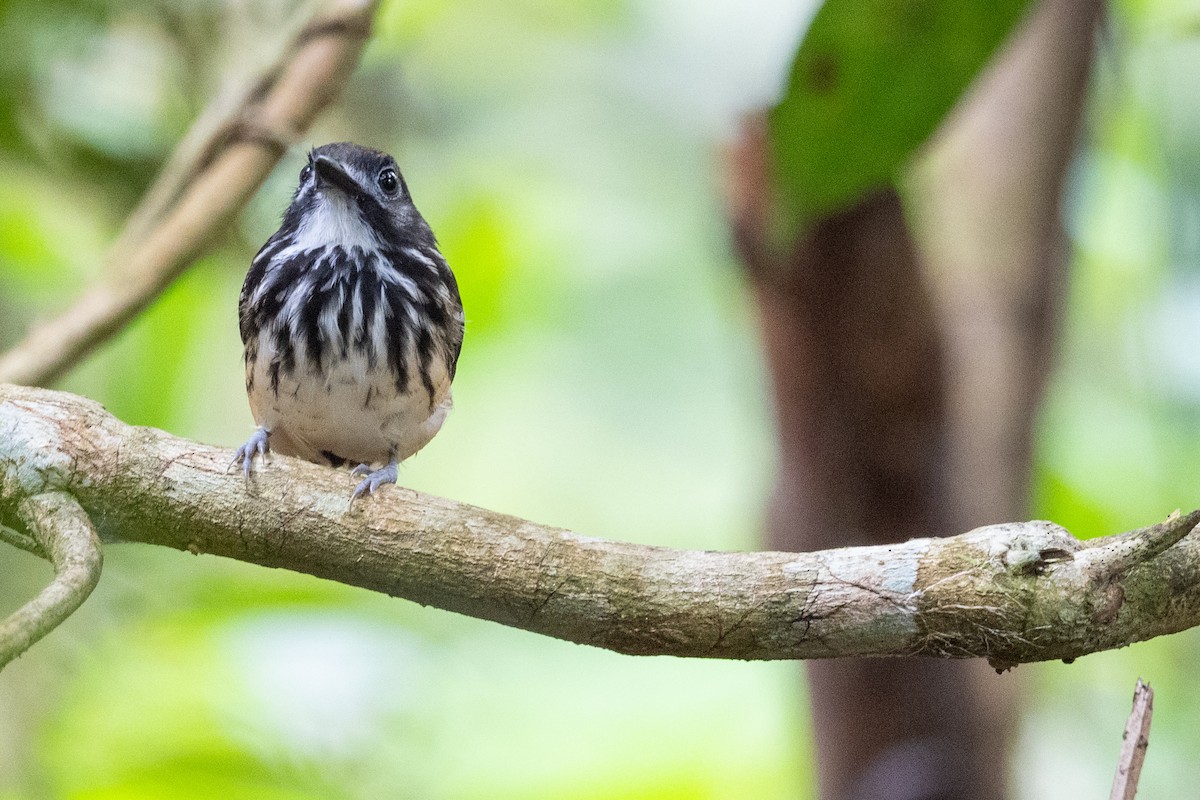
[335, 221]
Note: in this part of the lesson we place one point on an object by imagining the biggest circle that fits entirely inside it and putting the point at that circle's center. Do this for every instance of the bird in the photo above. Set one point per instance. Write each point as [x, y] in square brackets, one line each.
[351, 323]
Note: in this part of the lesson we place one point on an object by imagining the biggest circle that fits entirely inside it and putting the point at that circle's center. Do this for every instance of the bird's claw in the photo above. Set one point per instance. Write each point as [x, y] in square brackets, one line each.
[373, 480]
[257, 444]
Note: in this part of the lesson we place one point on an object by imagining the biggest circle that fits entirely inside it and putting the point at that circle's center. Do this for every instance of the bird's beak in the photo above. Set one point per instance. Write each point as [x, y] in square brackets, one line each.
[331, 172]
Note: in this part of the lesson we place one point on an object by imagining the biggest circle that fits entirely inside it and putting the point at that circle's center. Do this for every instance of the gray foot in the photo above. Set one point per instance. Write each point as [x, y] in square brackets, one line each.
[373, 480]
[257, 443]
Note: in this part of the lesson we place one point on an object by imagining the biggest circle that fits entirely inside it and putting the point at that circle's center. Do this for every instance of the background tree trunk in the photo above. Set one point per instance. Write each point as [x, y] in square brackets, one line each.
[907, 369]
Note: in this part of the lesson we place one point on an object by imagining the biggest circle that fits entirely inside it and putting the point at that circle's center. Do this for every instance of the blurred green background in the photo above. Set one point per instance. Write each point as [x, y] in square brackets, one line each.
[567, 156]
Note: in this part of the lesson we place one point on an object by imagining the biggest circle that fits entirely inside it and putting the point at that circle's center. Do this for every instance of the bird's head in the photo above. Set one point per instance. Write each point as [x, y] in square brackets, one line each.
[354, 196]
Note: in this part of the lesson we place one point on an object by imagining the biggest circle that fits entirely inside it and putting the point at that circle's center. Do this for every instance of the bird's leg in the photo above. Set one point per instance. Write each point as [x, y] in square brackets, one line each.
[373, 480]
[257, 443]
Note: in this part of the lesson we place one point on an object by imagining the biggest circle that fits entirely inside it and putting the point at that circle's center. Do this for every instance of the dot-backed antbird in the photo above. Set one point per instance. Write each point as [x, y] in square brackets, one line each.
[351, 322]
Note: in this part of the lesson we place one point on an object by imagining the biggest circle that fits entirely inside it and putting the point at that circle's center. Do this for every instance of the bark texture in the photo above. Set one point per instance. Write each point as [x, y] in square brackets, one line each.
[1010, 593]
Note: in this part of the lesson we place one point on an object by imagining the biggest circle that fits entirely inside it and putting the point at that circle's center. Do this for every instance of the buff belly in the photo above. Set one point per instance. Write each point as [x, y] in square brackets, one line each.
[349, 413]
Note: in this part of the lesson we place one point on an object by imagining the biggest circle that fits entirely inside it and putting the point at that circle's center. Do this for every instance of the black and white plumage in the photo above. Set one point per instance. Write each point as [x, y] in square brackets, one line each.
[351, 321]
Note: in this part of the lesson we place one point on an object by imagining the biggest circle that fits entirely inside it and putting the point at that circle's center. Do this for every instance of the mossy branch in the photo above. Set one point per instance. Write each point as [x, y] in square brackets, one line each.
[1011, 593]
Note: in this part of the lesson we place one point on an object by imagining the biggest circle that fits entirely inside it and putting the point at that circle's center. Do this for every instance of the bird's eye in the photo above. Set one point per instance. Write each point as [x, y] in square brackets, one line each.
[388, 181]
[304, 173]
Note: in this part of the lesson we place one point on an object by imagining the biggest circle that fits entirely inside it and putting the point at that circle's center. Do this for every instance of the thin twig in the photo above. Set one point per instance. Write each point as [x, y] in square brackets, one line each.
[1133, 747]
[64, 532]
[222, 175]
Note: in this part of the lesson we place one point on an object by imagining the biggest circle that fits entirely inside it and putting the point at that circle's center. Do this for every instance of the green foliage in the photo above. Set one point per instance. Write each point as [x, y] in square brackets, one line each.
[870, 82]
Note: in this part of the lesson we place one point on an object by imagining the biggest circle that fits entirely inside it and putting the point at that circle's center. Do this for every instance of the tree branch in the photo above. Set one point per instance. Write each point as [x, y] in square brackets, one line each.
[1012, 593]
[198, 195]
[64, 533]
[230, 114]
